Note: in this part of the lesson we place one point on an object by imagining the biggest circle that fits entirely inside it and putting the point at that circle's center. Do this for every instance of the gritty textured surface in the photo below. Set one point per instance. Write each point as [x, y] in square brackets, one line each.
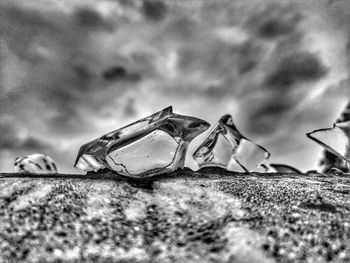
[209, 216]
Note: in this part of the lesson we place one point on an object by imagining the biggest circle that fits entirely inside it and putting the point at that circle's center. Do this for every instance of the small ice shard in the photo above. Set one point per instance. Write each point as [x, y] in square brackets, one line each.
[35, 163]
[284, 168]
[329, 160]
[153, 145]
[335, 140]
[261, 169]
[226, 147]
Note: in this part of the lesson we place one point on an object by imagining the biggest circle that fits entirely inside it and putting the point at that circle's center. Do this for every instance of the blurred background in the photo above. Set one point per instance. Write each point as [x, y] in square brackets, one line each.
[72, 70]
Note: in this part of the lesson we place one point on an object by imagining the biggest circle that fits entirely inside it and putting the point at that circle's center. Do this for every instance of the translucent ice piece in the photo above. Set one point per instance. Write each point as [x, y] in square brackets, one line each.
[226, 147]
[36, 163]
[262, 168]
[329, 160]
[153, 145]
[133, 155]
[335, 140]
[250, 155]
[284, 168]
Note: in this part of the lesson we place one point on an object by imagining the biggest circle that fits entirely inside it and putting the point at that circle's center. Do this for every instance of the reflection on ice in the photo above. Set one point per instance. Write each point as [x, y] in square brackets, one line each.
[226, 147]
[284, 168]
[137, 157]
[335, 140]
[153, 145]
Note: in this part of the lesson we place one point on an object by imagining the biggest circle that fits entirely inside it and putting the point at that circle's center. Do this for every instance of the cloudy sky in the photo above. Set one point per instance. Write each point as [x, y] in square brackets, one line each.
[72, 70]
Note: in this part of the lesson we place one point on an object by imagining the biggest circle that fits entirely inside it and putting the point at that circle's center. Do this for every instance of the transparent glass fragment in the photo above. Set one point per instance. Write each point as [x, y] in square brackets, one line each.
[335, 140]
[153, 145]
[226, 147]
[284, 168]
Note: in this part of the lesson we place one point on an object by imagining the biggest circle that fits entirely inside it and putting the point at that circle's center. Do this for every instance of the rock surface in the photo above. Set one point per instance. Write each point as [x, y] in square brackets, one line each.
[207, 216]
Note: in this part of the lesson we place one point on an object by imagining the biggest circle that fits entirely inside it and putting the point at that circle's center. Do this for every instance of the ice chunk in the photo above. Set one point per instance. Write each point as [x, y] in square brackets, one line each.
[226, 147]
[335, 140]
[284, 168]
[138, 157]
[329, 160]
[35, 163]
[153, 145]
[261, 169]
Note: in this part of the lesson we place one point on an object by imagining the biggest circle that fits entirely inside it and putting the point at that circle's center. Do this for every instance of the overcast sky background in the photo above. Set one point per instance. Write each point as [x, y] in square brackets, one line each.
[72, 70]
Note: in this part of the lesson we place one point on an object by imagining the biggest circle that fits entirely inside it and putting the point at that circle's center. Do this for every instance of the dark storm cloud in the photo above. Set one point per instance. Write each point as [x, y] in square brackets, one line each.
[339, 11]
[19, 27]
[266, 115]
[281, 86]
[115, 73]
[62, 92]
[154, 10]
[274, 21]
[298, 67]
[288, 69]
[248, 55]
[8, 134]
[11, 139]
[30, 144]
[59, 68]
[270, 110]
[33, 144]
[88, 18]
[119, 73]
[181, 28]
[82, 72]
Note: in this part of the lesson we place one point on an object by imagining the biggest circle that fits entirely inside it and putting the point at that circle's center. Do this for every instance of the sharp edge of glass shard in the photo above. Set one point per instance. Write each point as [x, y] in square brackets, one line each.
[284, 168]
[226, 147]
[335, 140]
[153, 145]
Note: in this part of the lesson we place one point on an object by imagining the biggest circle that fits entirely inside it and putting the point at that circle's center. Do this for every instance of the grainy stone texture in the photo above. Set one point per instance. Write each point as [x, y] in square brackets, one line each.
[208, 216]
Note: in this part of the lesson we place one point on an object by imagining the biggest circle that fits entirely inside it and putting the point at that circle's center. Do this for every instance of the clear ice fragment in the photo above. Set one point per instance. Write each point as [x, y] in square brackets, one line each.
[133, 155]
[36, 163]
[226, 147]
[284, 168]
[261, 169]
[329, 160]
[335, 140]
[153, 145]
